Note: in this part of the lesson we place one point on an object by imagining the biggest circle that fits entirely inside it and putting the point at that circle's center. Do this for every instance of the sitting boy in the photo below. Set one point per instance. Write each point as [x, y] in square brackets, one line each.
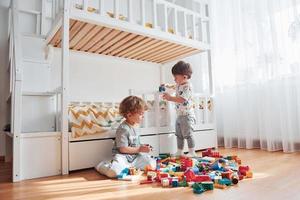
[127, 148]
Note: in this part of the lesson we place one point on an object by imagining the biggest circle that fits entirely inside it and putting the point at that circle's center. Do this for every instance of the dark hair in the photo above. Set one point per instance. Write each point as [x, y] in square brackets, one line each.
[132, 104]
[182, 68]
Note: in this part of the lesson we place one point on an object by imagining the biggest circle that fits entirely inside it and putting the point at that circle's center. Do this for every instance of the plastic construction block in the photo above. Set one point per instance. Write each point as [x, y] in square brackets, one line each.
[217, 178]
[239, 161]
[249, 174]
[162, 88]
[207, 152]
[225, 181]
[195, 170]
[235, 179]
[244, 168]
[216, 166]
[219, 186]
[151, 175]
[186, 163]
[226, 174]
[241, 177]
[208, 185]
[183, 183]
[165, 182]
[133, 171]
[201, 178]
[190, 175]
[211, 153]
[177, 168]
[123, 173]
[175, 183]
[197, 188]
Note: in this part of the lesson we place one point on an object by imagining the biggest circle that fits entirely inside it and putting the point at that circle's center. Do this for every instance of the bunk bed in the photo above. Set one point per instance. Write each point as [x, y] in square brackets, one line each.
[96, 30]
[170, 33]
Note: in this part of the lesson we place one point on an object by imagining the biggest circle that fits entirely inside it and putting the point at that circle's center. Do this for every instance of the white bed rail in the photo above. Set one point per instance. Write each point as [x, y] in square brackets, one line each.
[157, 14]
[165, 115]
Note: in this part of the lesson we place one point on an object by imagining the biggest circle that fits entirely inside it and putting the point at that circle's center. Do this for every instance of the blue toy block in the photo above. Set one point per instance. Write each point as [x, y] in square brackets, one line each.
[174, 183]
[123, 173]
[195, 170]
[225, 181]
[162, 88]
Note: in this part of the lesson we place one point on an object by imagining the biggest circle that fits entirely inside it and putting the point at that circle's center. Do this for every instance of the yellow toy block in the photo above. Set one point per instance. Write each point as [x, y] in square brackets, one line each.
[219, 186]
[249, 174]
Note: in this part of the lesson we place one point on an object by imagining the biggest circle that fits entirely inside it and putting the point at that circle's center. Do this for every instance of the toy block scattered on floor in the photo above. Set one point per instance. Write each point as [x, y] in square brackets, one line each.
[210, 171]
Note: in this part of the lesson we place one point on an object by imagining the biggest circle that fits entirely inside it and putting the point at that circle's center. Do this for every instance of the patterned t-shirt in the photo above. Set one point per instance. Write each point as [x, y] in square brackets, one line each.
[185, 91]
[126, 136]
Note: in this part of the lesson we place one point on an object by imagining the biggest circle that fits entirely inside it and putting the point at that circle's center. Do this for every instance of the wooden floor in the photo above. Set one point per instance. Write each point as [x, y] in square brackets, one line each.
[276, 176]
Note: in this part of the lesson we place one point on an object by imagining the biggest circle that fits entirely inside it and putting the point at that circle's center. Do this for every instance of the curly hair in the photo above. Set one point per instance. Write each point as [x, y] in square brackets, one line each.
[182, 68]
[132, 104]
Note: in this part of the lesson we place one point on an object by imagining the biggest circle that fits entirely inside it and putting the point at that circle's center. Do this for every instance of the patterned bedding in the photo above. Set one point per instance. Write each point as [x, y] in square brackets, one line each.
[87, 119]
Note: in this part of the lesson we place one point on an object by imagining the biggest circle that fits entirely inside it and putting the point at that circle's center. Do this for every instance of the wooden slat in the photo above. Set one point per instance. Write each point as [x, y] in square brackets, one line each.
[129, 44]
[178, 52]
[57, 37]
[112, 42]
[74, 30]
[134, 46]
[119, 44]
[147, 49]
[140, 48]
[81, 34]
[160, 51]
[102, 33]
[152, 51]
[173, 50]
[88, 37]
[105, 39]
[176, 57]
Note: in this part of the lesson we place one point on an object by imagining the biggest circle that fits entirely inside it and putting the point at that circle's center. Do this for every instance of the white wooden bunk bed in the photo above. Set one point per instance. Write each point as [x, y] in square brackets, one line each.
[172, 32]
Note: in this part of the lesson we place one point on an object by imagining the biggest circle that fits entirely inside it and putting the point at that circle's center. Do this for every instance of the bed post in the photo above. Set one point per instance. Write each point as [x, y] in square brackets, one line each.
[64, 84]
[16, 92]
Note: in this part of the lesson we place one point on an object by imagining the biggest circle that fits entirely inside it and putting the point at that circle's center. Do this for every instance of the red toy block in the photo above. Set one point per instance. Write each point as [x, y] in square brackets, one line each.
[190, 175]
[186, 163]
[164, 175]
[201, 178]
[241, 177]
[207, 152]
[211, 153]
[243, 170]
[226, 174]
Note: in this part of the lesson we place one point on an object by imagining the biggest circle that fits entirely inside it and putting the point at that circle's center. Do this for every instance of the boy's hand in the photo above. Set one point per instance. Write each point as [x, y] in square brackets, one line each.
[145, 148]
[167, 96]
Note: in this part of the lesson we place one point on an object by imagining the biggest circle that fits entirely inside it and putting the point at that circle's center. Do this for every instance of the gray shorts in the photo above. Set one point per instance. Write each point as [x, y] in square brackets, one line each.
[184, 130]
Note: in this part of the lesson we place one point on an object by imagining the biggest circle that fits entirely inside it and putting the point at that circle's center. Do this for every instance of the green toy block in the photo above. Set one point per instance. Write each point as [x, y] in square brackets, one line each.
[208, 185]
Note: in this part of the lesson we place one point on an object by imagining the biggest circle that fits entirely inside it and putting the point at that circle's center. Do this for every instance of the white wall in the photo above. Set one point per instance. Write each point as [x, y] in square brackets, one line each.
[103, 78]
[200, 78]
[3, 66]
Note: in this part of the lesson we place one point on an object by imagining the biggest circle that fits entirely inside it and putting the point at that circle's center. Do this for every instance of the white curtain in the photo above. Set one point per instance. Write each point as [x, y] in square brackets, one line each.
[256, 61]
